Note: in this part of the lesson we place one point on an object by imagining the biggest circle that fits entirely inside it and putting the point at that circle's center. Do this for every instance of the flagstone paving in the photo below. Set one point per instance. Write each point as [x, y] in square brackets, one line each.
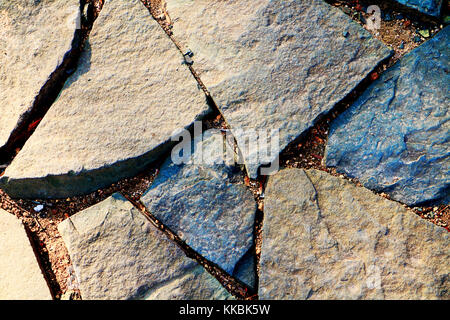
[198, 201]
[325, 238]
[30, 53]
[115, 114]
[279, 66]
[20, 275]
[395, 138]
[276, 67]
[118, 254]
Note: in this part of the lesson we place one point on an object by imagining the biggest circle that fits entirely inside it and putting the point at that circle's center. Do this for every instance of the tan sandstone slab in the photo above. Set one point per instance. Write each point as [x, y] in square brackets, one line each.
[115, 114]
[20, 275]
[34, 37]
[325, 238]
[118, 254]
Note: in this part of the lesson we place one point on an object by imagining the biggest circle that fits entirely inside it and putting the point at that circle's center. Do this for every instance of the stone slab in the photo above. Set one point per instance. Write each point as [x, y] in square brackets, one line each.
[278, 66]
[325, 238]
[21, 277]
[34, 38]
[118, 254]
[395, 137]
[116, 113]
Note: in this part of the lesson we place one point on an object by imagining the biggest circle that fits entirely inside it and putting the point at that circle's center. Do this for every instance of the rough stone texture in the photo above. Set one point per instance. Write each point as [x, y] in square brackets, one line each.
[20, 275]
[325, 238]
[118, 254]
[277, 66]
[34, 37]
[199, 201]
[115, 114]
[395, 138]
[431, 7]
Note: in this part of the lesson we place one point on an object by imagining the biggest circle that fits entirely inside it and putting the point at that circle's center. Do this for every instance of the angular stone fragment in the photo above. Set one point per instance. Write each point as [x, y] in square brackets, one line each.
[325, 238]
[200, 202]
[278, 66]
[34, 38]
[430, 7]
[20, 275]
[115, 114]
[118, 254]
[395, 137]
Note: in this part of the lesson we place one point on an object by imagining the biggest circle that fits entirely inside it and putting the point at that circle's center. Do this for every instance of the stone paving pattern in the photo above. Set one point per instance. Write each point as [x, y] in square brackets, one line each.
[272, 68]
[118, 254]
[115, 114]
[30, 53]
[280, 65]
[395, 138]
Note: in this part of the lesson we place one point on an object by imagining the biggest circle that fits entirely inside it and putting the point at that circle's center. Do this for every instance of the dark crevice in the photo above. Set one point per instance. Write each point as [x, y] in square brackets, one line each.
[52, 88]
[233, 285]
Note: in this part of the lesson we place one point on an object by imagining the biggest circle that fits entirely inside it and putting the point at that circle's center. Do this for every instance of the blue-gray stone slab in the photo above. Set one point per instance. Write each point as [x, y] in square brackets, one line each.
[395, 137]
[201, 202]
[430, 7]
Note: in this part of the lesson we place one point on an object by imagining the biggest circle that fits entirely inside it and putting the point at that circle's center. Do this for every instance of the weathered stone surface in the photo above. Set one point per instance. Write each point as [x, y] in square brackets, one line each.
[395, 138]
[118, 254]
[277, 66]
[325, 238]
[200, 202]
[20, 275]
[34, 38]
[431, 7]
[115, 114]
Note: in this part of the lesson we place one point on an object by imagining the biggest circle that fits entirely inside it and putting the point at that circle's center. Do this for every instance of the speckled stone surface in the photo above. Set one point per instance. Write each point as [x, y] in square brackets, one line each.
[276, 66]
[118, 254]
[115, 114]
[396, 137]
[325, 238]
[207, 205]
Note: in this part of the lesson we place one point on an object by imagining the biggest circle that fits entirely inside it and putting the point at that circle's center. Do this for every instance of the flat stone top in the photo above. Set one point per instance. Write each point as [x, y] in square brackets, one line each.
[325, 238]
[277, 66]
[395, 137]
[34, 37]
[20, 275]
[118, 254]
[430, 7]
[128, 95]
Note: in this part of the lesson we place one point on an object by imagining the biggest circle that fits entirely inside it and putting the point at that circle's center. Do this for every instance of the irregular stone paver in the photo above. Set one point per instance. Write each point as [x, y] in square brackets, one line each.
[431, 7]
[395, 138]
[20, 275]
[277, 66]
[325, 238]
[114, 115]
[118, 254]
[34, 37]
[199, 202]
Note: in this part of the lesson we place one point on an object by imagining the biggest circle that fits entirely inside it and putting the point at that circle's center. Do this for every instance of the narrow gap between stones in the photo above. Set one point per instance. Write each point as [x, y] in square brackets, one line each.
[46, 241]
[50, 91]
[233, 285]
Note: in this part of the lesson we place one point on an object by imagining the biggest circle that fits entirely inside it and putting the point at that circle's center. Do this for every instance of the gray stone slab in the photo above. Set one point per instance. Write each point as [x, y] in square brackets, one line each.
[115, 114]
[325, 238]
[34, 37]
[274, 64]
[21, 277]
[118, 254]
[395, 137]
[200, 201]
